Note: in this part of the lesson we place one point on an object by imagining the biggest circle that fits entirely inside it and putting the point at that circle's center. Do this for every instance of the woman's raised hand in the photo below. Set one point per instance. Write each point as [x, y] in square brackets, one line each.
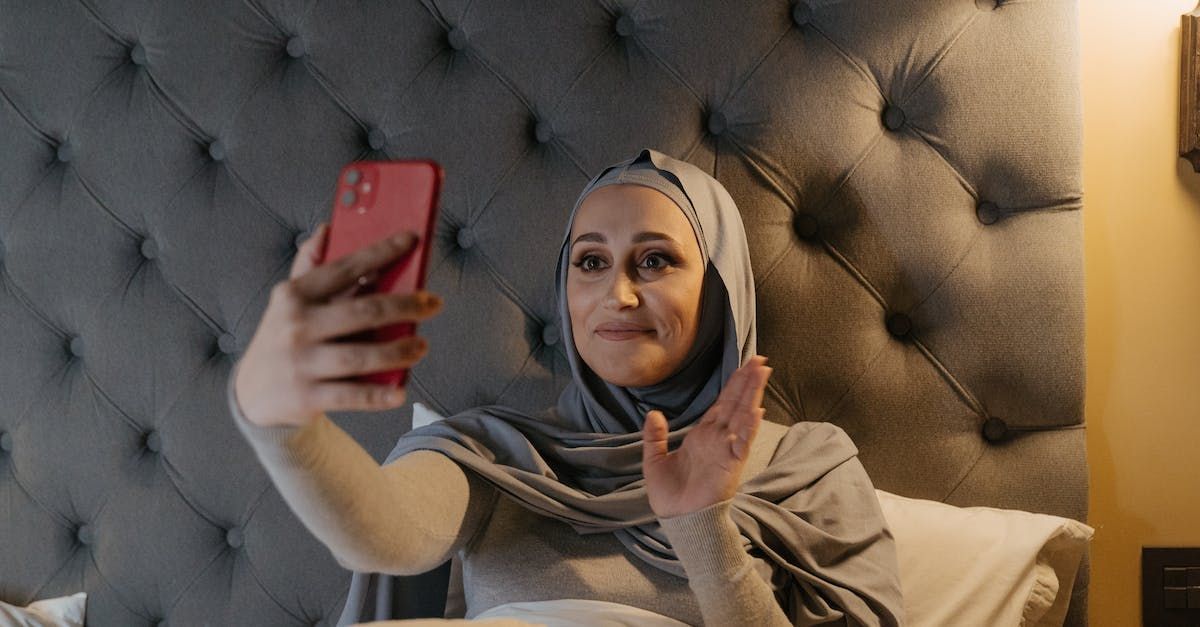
[288, 374]
[707, 468]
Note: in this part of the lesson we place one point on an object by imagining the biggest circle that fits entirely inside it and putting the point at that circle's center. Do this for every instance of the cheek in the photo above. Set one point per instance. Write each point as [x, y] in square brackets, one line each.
[578, 305]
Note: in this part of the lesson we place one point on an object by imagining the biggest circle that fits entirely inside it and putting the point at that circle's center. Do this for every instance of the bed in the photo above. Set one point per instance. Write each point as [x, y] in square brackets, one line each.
[908, 172]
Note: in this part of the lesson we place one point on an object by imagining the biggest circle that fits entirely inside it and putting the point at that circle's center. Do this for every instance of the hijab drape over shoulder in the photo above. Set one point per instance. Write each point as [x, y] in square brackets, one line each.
[810, 519]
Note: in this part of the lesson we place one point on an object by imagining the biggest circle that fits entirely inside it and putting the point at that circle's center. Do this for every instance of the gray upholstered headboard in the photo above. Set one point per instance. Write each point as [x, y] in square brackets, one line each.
[908, 172]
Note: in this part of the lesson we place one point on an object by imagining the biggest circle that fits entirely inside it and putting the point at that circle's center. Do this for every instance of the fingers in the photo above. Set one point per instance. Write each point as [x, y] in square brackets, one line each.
[654, 437]
[727, 399]
[342, 317]
[338, 360]
[738, 414]
[744, 433]
[752, 394]
[342, 396]
[310, 252]
[322, 282]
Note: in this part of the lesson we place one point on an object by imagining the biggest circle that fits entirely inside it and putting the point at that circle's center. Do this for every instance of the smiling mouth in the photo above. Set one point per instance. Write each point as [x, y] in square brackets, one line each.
[620, 336]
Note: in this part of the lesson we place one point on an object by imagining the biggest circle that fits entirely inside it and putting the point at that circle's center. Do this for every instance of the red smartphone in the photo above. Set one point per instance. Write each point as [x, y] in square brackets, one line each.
[375, 200]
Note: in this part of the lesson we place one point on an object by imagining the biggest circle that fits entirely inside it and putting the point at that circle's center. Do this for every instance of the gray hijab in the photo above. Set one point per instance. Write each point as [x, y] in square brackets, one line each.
[580, 461]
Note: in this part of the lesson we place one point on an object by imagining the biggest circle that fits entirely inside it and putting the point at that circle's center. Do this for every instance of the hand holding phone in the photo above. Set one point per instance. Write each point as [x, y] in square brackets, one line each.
[332, 340]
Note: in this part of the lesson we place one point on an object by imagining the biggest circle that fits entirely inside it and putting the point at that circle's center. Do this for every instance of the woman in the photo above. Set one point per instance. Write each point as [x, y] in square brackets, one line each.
[652, 493]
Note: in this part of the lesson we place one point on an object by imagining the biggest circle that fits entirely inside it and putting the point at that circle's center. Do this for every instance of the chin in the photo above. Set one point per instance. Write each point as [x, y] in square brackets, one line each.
[627, 375]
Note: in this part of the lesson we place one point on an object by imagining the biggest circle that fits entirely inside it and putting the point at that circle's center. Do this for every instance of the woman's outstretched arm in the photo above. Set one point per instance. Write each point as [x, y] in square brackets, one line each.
[404, 518]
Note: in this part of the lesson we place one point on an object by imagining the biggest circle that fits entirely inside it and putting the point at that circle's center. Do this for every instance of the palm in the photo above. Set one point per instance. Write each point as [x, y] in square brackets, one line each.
[707, 466]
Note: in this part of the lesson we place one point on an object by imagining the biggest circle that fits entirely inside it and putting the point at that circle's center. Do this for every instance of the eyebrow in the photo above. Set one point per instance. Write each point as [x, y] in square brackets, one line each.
[644, 236]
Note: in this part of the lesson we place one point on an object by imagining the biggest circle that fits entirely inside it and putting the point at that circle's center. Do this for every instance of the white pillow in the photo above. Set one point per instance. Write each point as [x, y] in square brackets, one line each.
[57, 612]
[983, 565]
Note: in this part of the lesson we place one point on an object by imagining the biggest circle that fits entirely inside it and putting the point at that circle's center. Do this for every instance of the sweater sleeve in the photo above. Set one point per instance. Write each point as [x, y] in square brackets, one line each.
[719, 570]
[404, 518]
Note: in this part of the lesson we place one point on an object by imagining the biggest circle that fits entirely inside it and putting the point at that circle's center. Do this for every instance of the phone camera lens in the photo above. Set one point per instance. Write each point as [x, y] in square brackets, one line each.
[352, 176]
[347, 197]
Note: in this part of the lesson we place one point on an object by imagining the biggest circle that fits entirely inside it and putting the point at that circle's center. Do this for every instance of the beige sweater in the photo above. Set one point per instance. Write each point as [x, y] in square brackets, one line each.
[415, 513]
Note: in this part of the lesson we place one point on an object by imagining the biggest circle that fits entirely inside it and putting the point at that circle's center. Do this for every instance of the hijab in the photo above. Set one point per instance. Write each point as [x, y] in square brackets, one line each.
[579, 461]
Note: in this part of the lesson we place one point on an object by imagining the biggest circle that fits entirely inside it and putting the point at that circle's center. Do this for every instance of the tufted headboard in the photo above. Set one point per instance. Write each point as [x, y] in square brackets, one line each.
[908, 172]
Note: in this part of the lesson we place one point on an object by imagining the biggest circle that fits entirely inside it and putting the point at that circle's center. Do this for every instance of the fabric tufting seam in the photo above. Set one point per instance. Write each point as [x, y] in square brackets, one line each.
[854, 272]
[426, 397]
[938, 59]
[861, 69]
[43, 135]
[246, 189]
[173, 108]
[829, 414]
[408, 86]
[103, 205]
[774, 391]
[270, 284]
[46, 172]
[962, 257]
[768, 178]
[266, 17]
[173, 475]
[517, 376]
[757, 64]
[324, 83]
[962, 180]
[670, 70]
[970, 469]
[972, 402]
[54, 516]
[104, 26]
[267, 591]
[472, 221]
[555, 108]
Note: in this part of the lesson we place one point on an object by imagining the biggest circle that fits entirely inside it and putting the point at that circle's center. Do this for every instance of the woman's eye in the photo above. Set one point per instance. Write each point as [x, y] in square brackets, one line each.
[582, 264]
[660, 262]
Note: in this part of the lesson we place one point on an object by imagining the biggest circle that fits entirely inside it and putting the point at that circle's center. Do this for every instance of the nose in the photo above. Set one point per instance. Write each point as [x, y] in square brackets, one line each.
[620, 292]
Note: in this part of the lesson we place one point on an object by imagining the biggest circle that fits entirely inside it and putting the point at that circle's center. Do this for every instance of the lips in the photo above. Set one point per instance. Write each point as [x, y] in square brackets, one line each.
[620, 331]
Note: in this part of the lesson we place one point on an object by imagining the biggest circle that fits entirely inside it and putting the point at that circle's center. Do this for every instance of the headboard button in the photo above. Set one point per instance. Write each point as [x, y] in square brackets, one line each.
[801, 13]
[137, 54]
[465, 237]
[625, 26]
[806, 226]
[6, 442]
[377, 139]
[456, 38]
[987, 212]
[995, 430]
[542, 132]
[295, 47]
[216, 150]
[84, 534]
[893, 117]
[234, 538]
[227, 343]
[716, 123]
[550, 334]
[149, 248]
[899, 325]
[153, 441]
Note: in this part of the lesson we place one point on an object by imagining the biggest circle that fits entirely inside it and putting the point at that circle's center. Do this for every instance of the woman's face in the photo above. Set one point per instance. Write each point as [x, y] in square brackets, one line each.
[635, 264]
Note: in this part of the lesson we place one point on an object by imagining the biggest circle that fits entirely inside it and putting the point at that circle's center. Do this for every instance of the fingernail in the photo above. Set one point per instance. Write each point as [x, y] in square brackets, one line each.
[404, 238]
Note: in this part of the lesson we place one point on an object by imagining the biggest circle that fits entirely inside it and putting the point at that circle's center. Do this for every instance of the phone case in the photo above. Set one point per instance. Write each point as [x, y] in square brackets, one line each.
[374, 200]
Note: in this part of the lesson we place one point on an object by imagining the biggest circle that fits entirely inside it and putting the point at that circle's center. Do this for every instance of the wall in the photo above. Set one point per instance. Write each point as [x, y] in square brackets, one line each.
[1142, 249]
